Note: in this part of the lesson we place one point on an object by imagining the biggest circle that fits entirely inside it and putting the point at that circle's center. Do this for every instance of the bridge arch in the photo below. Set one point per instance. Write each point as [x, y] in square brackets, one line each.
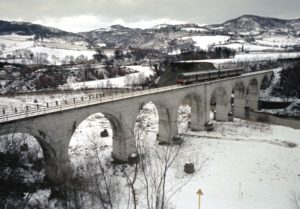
[191, 113]
[220, 103]
[53, 163]
[146, 127]
[117, 134]
[23, 156]
[166, 116]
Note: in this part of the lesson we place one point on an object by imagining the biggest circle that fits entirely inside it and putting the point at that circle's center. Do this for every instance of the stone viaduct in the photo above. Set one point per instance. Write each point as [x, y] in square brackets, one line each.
[54, 130]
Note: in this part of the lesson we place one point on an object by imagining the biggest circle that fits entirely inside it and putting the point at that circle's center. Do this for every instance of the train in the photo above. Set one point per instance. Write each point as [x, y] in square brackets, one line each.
[200, 76]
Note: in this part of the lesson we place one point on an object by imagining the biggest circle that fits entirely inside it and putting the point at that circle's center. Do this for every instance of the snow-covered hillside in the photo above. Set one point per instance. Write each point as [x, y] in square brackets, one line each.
[251, 57]
[56, 55]
[10, 43]
[118, 82]
[245, 33]
[278, 40]
[24, 50]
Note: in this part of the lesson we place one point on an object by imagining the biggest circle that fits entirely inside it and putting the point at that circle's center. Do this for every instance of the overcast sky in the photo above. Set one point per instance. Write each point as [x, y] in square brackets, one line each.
[84, 15]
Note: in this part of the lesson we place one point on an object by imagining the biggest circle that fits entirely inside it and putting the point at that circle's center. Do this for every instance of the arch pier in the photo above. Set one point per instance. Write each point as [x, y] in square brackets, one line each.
[239, 100]
[221, 98]
[253, 94]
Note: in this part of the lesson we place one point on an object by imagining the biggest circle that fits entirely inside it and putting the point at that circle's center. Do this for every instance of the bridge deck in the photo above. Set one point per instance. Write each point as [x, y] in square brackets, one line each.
[78, 103]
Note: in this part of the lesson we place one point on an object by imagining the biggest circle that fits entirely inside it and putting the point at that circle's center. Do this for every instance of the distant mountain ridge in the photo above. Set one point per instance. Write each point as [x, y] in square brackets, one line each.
[248, 23]
[164, 35]
[26, 28]
[161, 36]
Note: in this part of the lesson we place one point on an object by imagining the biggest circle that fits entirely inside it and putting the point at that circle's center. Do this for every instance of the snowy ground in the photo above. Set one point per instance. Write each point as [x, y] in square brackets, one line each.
[205, 41]
[250, 165]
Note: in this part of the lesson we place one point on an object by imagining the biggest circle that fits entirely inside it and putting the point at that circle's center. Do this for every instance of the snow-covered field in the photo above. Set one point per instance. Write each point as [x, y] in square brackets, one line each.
[250, 57]
[54, 55]
[194, 29]
[56, 49]
[250, 47]
[205, 41]
[62, 53]
[278, 41]
[15, 42]
[262, 43]
[250, 165]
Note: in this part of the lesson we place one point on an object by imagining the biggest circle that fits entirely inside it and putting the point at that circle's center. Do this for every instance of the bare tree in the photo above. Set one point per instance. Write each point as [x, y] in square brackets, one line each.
[104, 184]
[155, 162]
[118, 53]
[81, 59]
[100, 55]
[17, 159]
[141, 78]
[2, 46]
[41, 58]
[131, 183]
[55, 59]
[128, 80]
